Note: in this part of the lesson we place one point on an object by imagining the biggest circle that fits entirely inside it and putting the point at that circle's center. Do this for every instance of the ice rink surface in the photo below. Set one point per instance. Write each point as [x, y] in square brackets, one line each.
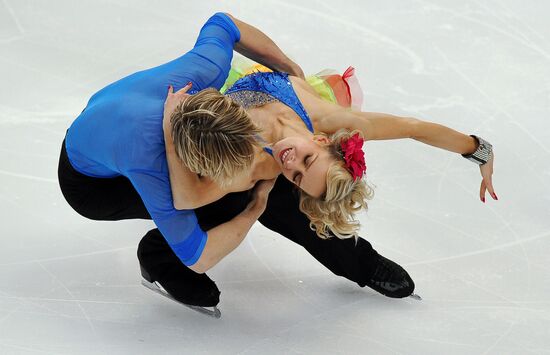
[72, 286]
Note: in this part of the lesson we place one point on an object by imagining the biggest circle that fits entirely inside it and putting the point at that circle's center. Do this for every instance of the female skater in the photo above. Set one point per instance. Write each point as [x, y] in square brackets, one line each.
[327, 170]
[292, 121]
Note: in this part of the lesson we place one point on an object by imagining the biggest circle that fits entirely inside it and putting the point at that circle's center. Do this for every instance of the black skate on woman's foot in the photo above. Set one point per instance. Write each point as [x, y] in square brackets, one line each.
[390, 279]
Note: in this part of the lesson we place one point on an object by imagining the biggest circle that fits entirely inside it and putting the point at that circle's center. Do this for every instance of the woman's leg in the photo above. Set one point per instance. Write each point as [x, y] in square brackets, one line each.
[353, 259]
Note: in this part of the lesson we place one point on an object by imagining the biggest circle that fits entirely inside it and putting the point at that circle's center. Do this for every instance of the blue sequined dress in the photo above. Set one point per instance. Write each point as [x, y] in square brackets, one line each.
[261, 88]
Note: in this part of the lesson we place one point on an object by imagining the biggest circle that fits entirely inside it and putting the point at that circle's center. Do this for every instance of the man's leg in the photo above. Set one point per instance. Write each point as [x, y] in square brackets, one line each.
[159, 263]
[104, 199]
[116, 199]
[353, 259]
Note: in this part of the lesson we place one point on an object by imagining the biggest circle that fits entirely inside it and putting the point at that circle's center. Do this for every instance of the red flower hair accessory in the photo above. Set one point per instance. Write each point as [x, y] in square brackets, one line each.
[354, 156]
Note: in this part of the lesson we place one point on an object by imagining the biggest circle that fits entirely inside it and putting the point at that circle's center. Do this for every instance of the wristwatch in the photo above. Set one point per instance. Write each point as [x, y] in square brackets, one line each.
[483, 153]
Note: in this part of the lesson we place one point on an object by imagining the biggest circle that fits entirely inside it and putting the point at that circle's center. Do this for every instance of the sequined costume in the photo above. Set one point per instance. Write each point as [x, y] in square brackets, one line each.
[342, 89]
[260, 88]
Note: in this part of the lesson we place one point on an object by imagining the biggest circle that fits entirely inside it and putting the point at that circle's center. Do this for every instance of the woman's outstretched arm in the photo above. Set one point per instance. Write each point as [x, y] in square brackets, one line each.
[382, 126]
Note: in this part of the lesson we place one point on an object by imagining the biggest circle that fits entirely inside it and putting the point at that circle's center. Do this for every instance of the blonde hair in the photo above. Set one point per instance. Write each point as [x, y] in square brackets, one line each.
[214, 136]
[334, 211]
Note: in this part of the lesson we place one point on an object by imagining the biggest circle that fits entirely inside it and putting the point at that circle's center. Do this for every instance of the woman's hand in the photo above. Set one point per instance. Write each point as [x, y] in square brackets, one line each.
[487, 182]
[172, 101]
[294, 69]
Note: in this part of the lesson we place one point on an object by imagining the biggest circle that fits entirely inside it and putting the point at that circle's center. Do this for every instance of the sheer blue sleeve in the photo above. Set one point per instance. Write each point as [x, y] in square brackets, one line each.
[120, 132]
[206, 65]
[180, 228]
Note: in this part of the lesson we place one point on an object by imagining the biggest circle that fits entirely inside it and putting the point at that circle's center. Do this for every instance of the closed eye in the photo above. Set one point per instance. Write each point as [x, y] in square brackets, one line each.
[306, 160]
[297, 178]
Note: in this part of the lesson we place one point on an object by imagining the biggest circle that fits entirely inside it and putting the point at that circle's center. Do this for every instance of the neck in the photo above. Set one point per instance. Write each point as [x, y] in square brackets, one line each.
[265, 167]
[282, 128]
[264, 118]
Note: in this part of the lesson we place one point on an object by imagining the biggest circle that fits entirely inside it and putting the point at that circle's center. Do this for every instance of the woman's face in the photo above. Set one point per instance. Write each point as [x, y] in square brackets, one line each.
[305, 162]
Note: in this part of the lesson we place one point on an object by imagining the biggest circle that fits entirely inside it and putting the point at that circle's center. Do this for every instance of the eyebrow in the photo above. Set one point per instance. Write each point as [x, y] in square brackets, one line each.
[311, 162]
[307, 168]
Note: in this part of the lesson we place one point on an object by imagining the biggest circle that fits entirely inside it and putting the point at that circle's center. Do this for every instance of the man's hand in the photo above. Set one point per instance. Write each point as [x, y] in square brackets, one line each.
[260, 195]
[172, 101]
[487, 182]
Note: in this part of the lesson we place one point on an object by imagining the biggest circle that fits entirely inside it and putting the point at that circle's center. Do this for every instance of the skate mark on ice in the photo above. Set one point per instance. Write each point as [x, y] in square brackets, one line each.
[416, 60]
[100, 252]
[56, 279]
[481, 251]
[29, 177]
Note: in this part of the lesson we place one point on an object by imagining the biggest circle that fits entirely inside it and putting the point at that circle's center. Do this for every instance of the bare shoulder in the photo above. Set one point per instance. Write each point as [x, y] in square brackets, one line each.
[312, 102]
[326, 117]
[301, 84]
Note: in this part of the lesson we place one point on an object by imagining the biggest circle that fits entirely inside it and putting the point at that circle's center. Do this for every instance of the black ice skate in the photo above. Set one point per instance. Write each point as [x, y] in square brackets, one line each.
[391, 280]
[156, 287]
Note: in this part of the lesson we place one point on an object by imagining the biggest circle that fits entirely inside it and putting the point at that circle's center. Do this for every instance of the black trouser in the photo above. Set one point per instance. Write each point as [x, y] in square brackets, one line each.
[116, 199]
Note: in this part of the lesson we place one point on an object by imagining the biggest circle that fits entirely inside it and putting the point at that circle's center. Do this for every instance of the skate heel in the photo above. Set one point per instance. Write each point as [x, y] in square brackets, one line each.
[154, 286]
[145, 274]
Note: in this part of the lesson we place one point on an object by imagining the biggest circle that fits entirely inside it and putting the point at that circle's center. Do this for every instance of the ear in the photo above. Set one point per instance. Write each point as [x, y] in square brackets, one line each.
[323, 140]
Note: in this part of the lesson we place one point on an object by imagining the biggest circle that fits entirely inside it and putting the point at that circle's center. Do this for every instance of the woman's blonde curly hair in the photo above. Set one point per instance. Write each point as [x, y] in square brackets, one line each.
[334, 212]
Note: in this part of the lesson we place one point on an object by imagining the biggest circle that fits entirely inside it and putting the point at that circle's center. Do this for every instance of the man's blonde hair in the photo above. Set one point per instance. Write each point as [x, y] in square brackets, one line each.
[214, 136]
[334, 212]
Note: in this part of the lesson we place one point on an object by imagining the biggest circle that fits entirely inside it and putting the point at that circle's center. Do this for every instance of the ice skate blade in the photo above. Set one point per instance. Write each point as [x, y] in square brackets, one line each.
[414, 296]
[155, 287]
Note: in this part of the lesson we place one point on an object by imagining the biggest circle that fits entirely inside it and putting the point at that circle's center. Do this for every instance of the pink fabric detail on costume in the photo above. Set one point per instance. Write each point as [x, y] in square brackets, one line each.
[339, 88]
[350, 71]
[354, 89]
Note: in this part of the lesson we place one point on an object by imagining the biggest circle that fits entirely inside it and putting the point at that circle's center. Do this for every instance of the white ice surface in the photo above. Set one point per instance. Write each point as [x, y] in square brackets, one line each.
[71, 285]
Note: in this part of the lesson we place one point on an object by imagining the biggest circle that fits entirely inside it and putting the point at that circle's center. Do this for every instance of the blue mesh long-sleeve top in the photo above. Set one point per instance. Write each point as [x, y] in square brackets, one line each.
[120, 131]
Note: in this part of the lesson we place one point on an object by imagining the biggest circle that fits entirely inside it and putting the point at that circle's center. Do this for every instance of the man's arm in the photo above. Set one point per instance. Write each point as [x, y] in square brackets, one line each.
[224, 238]
[188, 189]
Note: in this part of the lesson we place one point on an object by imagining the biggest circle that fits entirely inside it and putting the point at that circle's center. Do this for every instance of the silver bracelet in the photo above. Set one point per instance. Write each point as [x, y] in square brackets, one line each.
[483, 153]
